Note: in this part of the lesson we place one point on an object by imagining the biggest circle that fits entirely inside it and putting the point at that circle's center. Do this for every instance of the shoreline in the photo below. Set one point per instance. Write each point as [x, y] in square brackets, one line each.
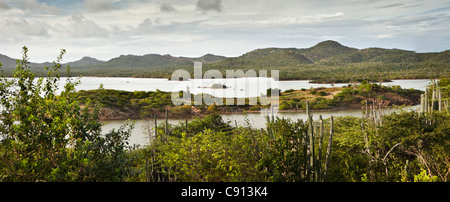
[240, 112]
[280, 79]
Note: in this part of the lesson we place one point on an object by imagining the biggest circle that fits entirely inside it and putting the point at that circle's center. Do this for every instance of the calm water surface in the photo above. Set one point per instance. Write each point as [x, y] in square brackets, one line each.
[241, 87]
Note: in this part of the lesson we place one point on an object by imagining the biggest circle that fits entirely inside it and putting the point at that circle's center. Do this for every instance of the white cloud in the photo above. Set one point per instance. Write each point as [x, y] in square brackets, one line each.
[384, 36]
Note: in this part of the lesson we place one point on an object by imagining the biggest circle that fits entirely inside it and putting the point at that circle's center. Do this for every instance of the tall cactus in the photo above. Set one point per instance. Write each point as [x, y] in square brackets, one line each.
[186, 126]
[428, 103]
[310, 142]
[156, 126]
[166, 125]
[313, 163]
[319, 158]
[327, 160]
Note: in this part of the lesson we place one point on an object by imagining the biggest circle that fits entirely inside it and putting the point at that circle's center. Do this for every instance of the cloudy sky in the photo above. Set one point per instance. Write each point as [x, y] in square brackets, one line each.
[105, 29]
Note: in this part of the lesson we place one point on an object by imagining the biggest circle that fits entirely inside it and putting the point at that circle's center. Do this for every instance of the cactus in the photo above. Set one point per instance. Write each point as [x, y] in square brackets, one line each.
[426, 100]
[435, 103]
[186, 125]
[166, 125]
[156, 126]
[422, 104]
[327, 160]
[313, 168]
[319, 159]
[311, 145]
[269, 131]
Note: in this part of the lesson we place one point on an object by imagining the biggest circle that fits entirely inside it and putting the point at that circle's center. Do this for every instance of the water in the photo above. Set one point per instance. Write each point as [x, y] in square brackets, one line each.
[257, 120]
[241, 87]
[234, 85]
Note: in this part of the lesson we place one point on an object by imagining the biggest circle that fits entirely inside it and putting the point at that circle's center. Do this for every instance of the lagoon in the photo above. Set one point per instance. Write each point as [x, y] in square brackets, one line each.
[237, 87]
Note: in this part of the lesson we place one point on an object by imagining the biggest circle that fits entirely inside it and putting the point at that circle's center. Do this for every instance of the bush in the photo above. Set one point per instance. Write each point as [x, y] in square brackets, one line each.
[289, 91]
[322, 93]
[49, 137]
[183, 110]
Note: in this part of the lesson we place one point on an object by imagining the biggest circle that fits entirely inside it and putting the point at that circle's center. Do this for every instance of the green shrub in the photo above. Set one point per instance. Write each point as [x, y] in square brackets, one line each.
[49, 137]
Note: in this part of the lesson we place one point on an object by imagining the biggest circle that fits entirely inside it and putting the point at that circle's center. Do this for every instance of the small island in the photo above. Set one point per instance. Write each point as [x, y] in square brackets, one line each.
[216, 86]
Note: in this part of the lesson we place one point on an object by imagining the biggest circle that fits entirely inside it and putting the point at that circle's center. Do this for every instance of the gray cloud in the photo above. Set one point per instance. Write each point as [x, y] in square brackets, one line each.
[99, 5]
[4, 5]
[84, 28]
[209, 5]
[22, 27]
[166, 8]
[391, 5]
[145, 27]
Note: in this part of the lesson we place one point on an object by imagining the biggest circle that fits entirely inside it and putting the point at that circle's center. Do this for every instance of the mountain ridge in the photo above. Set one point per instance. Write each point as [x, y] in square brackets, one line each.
[324, 51]
[325, 59]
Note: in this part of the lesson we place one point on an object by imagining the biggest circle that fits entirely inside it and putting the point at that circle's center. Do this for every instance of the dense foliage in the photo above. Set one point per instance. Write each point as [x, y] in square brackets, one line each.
[49, 137]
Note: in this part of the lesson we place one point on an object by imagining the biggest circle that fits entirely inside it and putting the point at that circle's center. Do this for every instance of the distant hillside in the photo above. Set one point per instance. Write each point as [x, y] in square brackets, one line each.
[328, 61]
[85, 61]
[7, 61]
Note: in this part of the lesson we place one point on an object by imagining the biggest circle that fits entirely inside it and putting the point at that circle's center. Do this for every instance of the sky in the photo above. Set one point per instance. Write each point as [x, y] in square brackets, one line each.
[105, 29]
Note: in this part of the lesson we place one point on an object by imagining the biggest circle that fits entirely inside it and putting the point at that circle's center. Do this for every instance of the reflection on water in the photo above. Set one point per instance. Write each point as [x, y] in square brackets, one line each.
[257, 120]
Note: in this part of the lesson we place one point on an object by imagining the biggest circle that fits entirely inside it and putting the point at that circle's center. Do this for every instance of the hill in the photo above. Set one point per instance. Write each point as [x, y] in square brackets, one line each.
[7, 62]
[327, 61]
[85, 61]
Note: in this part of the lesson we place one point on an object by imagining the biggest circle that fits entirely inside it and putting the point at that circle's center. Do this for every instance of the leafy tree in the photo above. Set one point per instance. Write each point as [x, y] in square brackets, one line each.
[50, 137]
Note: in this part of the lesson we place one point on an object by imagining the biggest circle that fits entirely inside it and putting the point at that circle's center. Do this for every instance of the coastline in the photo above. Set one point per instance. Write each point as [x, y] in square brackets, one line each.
[136, 116]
